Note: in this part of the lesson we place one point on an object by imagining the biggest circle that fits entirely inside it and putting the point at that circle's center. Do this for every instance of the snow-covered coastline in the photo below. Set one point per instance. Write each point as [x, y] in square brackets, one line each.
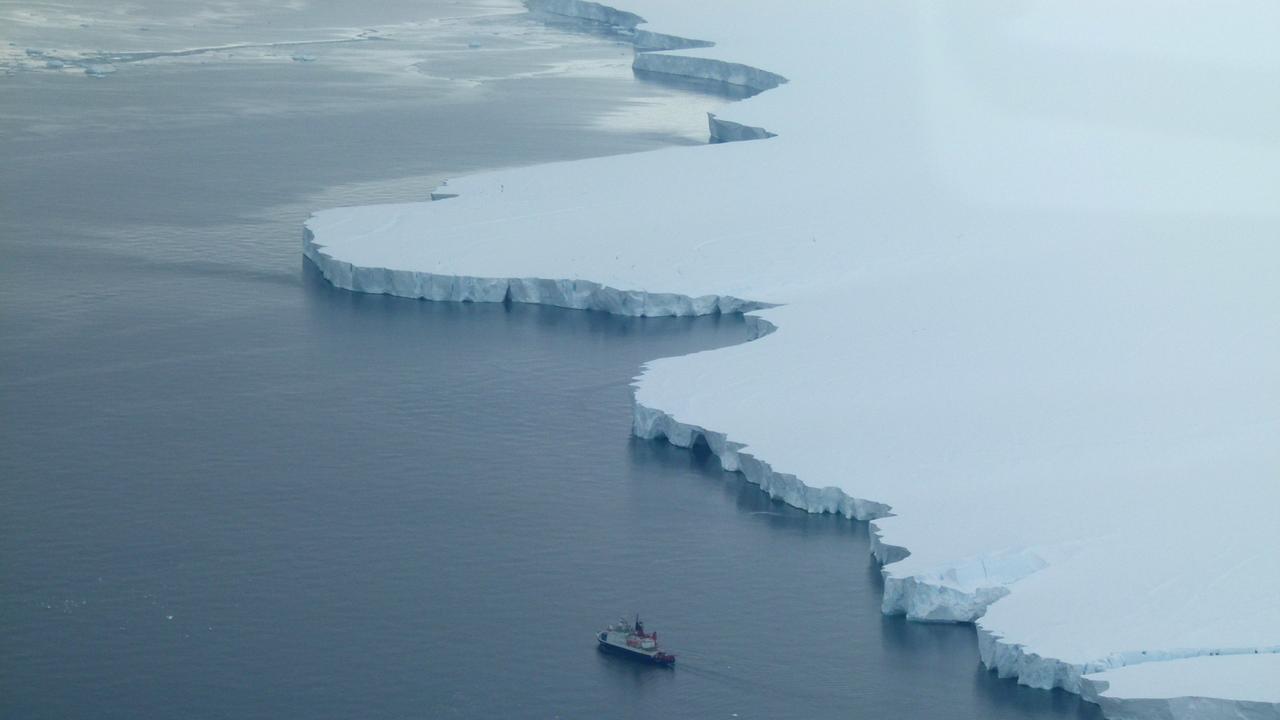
[383, 250]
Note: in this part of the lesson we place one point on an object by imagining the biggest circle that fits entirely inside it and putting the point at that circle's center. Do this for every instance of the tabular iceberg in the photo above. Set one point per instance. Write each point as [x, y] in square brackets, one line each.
[1020, 268]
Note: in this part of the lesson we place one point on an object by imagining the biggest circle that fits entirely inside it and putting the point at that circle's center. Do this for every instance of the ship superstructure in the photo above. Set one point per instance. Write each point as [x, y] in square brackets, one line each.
[630, 638]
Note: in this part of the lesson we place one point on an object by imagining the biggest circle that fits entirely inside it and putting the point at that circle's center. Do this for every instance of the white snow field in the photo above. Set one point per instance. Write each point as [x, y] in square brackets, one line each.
[1208, 686]
[1023, 262]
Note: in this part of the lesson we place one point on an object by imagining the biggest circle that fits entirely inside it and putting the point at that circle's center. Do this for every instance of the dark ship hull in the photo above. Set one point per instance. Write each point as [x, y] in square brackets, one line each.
[649, 658]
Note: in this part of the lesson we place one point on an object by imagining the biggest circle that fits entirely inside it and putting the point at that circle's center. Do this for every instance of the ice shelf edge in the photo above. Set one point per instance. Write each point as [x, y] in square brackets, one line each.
[650, 58]
[913, 596]
[563, 293]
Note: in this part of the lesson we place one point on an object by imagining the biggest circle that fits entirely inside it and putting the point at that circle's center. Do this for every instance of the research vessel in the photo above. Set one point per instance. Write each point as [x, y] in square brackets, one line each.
[630, 639]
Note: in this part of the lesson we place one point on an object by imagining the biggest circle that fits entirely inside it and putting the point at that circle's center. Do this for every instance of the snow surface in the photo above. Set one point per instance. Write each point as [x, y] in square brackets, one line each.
[1202, 687]
[1024, 270]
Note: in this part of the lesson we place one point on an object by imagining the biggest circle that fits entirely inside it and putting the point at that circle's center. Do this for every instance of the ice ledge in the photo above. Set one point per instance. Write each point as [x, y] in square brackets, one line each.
[723, 131]
[653, 424]
[707, 69]
[620, 21]
[943, 597]
[592, 11]
[1014, 661]
[1192, 708]
[565, 293]
[963, 591]
[649, 58]
[1178, 689]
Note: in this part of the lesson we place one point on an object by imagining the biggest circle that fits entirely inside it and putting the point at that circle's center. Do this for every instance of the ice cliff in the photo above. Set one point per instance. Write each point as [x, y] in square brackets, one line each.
[1021, 266]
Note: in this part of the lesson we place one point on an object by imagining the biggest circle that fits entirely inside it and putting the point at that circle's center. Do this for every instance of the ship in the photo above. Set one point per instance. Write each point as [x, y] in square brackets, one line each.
[630, 639]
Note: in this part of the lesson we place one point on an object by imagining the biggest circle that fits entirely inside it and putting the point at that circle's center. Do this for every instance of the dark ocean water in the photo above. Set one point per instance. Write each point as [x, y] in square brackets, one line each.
[232, 491]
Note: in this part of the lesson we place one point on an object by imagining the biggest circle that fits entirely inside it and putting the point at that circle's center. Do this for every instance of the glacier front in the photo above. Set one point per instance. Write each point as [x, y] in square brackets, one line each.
[1015, 271]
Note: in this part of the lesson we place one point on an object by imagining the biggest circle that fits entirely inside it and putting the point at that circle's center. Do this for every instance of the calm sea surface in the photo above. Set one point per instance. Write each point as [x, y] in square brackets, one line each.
[231, 491]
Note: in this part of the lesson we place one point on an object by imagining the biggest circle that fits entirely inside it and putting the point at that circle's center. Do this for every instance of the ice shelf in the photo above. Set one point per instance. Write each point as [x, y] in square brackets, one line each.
[1021, 266]
[1209, 687]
